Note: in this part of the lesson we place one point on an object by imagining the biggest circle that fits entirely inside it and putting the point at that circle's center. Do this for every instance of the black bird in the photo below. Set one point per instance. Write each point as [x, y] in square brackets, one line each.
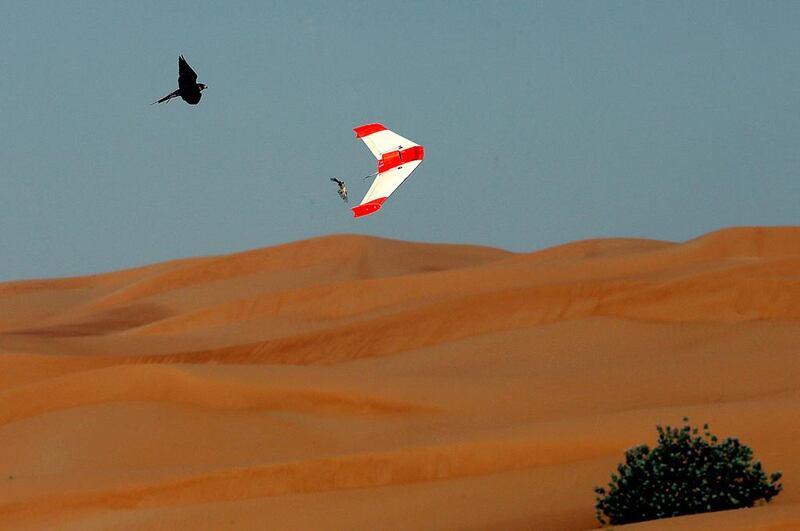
[188, 87]
[342, 191]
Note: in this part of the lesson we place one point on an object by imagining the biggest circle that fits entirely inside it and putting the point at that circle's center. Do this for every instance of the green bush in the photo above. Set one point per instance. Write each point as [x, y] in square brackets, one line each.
[686, 473]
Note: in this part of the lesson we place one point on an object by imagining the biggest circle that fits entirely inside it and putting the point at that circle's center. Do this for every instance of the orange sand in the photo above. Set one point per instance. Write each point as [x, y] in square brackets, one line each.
[350, 382]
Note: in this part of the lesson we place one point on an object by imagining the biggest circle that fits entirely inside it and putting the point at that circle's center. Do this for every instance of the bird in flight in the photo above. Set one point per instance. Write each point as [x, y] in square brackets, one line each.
[342, 191]
[188, 87]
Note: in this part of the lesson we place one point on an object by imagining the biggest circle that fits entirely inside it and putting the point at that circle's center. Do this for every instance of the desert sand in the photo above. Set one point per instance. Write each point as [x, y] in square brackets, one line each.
[349, 382]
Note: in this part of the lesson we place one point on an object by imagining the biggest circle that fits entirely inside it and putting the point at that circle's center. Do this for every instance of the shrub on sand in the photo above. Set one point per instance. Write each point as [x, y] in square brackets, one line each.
[686, 473]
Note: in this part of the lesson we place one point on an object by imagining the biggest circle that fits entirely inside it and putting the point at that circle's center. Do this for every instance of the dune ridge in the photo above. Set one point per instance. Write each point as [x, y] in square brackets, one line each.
[306, 376]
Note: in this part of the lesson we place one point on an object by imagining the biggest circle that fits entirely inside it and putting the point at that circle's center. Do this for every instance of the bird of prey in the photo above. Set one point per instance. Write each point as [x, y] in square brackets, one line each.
[342, 191]
[188, 87]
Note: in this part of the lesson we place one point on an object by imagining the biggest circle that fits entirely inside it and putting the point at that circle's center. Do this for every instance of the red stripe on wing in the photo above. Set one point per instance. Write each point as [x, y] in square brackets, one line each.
[368, 129]
[397, 158]
[368, 208]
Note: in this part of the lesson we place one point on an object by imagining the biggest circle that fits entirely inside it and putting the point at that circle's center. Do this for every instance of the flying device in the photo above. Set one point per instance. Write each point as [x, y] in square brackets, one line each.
[397, 158]
[188, 88]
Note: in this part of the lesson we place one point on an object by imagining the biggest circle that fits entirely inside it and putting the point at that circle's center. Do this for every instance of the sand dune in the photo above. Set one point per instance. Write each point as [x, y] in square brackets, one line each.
[349, 382]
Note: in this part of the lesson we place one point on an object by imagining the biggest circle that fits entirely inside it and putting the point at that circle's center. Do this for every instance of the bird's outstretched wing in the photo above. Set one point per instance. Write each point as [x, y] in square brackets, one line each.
[337, 181]
[168, 97]
[185, 71]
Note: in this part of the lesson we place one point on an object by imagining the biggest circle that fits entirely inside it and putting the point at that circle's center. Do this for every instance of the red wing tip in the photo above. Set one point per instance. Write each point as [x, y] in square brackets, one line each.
[368, 208]
[367, 129]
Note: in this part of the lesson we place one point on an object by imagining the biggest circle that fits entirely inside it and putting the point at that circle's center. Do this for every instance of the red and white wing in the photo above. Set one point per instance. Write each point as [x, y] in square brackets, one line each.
[385, 183]
[397, 158]
[380, 140]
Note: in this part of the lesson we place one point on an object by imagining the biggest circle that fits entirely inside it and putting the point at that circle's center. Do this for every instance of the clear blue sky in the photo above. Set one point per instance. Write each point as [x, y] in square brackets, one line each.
[542, 122]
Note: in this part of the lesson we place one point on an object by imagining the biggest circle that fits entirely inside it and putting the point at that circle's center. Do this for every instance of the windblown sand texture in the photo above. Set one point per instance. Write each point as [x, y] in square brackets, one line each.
[350, 382]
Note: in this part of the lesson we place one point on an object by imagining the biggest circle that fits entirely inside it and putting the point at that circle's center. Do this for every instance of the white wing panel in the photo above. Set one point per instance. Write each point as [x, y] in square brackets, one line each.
[380, 140]
[386, 141]
[388, 182]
